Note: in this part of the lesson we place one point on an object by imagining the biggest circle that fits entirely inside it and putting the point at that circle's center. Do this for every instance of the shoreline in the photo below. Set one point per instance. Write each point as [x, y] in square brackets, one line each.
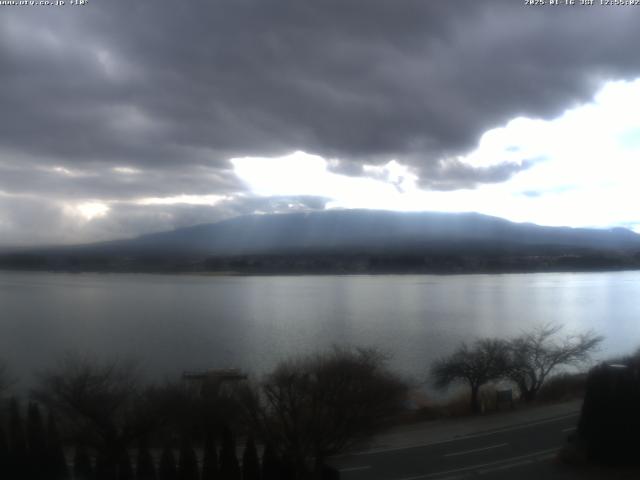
[288, 273]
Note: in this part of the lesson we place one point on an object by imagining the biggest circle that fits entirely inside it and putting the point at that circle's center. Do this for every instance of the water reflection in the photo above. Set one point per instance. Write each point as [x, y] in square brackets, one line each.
[173, 323]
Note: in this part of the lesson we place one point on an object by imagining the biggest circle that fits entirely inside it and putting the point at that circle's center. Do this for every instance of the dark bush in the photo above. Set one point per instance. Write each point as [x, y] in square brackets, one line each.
[18, 459]
[210, 459]
[329, 473]
[146, 469]
[56, 461]
[4, 451]
[106, 467]
[125, 470]
[82, 467]
[250, 462]
[229, 467]
[167, 470]
[188, 462]
[565, 386]
[610, 417]
[37, 444]
[319, 405]
[270, 464]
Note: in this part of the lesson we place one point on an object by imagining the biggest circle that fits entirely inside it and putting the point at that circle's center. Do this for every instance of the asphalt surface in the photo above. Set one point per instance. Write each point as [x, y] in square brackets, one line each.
[523, 451]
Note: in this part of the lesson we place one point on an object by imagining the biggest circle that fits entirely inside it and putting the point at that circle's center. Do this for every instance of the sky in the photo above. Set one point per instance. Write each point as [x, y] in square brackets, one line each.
[121, 118]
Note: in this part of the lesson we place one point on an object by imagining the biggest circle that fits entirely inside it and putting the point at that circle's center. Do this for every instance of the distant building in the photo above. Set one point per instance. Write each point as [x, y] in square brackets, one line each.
[213, 382]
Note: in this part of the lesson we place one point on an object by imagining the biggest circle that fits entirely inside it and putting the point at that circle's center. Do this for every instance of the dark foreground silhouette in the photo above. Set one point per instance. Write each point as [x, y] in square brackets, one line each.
[96, 420]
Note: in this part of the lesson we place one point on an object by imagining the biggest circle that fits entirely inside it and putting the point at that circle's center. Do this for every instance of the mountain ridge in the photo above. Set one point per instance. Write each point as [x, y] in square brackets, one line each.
[339, 234]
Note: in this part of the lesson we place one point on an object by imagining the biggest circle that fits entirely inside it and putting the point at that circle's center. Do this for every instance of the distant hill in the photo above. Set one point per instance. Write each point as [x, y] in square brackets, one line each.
[350, 240]
[363, 229]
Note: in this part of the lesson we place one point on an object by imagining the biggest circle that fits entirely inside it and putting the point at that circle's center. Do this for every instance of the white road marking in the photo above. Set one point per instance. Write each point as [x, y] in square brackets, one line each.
[504, 463]
[505, 467]
[355, 469]
[460, 438]
[570, 429]
[539, 458]
[457, 454]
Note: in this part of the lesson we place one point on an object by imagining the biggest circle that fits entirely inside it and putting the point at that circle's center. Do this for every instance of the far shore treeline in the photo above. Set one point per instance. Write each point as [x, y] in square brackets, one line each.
[330, 263]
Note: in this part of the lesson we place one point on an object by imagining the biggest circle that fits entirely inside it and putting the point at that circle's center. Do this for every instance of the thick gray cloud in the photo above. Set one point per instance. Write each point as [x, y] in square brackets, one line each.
[174, 89]
[29, 221]
[109, 182]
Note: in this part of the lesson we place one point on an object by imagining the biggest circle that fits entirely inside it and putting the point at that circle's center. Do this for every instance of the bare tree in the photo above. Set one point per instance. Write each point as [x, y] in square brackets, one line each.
[322, 404]
[535, 355]
[485, 360]
[97, 399]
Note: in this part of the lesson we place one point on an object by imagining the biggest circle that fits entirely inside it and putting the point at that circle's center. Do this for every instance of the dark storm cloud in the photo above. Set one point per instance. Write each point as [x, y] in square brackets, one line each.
[198, 82]
[103, 181]
[174, 89]
[453, 174]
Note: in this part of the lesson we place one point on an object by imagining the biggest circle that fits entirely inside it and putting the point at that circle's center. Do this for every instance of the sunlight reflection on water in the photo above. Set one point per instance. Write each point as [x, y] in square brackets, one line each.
[173, 323]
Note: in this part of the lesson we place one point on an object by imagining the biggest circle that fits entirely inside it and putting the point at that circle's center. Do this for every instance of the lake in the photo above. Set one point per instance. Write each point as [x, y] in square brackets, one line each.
[172, 323]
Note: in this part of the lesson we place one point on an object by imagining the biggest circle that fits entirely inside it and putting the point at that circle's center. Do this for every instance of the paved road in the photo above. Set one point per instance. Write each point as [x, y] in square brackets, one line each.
[520, 451]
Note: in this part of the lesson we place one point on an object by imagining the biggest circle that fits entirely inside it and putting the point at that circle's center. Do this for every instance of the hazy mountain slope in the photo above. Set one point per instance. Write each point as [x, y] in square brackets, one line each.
[350, 241]
[366, 229]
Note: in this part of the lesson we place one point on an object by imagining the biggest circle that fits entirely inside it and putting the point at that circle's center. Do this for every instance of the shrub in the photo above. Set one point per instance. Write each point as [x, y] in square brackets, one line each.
[229, 467]
[188, 462]
[322, 404]
[562, 387]
[167, 469]
[146, 469]
[82, 467]
[125, 470]
[210, 459]
[610, 417]
[250, 463]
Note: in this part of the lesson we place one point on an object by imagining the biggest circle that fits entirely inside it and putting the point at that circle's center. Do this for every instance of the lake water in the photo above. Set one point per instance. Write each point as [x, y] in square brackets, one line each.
[174, 323]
